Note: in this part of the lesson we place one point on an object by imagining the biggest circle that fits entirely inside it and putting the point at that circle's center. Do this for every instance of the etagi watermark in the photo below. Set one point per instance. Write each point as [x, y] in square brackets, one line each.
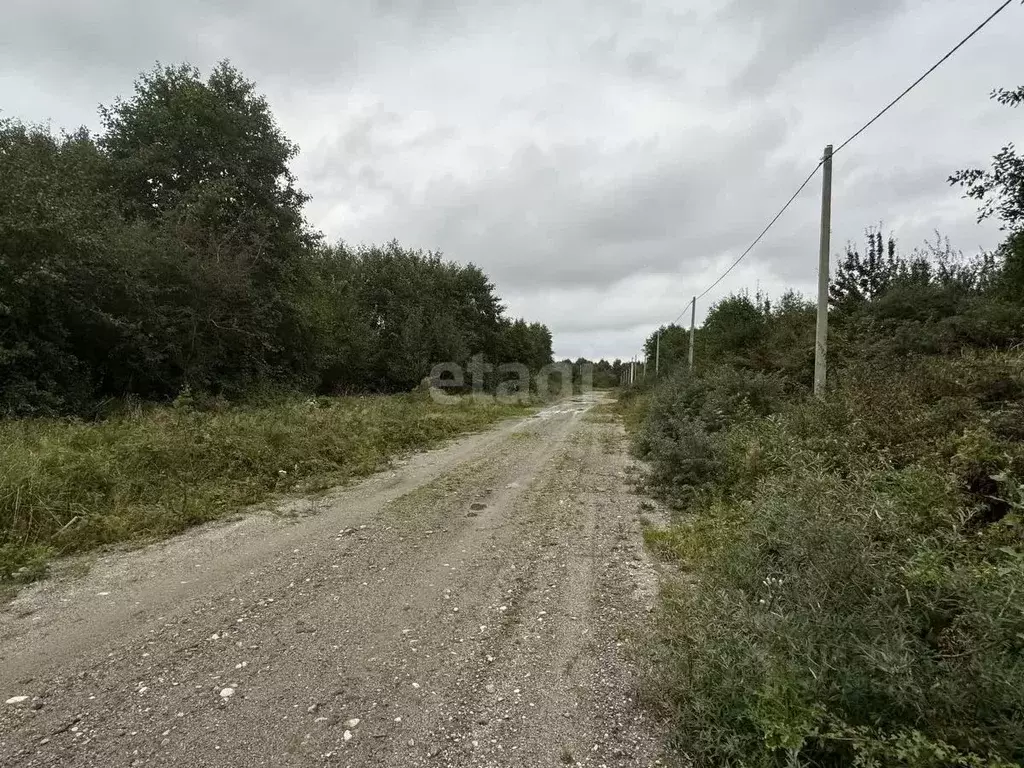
[507, 383]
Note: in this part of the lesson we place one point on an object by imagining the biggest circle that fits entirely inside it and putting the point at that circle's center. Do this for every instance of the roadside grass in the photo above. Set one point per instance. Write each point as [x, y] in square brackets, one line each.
[850, 570]
[72, 486]
[602, 413]
[632, 405]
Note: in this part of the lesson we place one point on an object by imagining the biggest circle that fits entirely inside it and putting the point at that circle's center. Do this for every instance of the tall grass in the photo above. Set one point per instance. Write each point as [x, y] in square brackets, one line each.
[68, 486]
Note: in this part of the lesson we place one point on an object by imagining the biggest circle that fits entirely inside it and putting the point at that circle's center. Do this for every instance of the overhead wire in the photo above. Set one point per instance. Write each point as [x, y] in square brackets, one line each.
[763, 231]
[846, 143]
[921, 79]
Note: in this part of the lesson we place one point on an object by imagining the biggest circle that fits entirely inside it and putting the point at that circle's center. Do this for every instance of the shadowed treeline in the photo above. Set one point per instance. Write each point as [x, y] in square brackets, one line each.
[169, 254]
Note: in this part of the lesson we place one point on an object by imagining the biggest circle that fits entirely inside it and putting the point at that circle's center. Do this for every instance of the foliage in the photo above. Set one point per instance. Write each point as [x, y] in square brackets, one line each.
[669, 345]
[1000, 193]
[606, 373]
[861, 278]
[856, 597]
[388, 315]
[170, 253]
[179, 133]
[167, 260]
[1000, 190]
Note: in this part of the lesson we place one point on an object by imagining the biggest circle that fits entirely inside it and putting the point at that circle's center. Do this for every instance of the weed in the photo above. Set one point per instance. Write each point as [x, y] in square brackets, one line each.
[70, 486]
[853, 568]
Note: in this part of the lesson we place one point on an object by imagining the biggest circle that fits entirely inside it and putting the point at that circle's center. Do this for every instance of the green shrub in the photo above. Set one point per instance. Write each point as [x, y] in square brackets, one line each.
[844, 604]
[853, 569]
[680, 436]
[24, 564]
[854, 564]
[683, 458]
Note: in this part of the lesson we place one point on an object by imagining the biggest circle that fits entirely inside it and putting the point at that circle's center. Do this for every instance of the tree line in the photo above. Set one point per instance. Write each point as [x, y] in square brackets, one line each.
[170, 254]
[932, 300]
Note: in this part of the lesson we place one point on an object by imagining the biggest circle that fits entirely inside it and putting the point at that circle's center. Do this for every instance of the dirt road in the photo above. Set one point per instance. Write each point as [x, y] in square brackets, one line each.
[474, 606]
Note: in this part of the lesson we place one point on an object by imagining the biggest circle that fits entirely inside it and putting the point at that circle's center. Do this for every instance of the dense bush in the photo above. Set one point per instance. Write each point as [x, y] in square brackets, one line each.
[857, 566]
[851, 566]
[684, 414]
[846, 606]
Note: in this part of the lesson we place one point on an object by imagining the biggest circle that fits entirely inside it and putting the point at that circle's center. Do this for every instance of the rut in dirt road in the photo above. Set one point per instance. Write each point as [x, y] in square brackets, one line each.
[474, 607]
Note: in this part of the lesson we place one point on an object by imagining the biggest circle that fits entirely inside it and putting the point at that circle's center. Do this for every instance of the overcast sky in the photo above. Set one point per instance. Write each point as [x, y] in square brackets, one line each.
[602, 161]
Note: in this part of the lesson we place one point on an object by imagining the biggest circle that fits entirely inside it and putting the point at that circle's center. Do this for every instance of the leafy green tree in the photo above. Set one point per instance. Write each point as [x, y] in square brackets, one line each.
[733, 332]
[170, 254]
[206, 162]
[1000, 193]
[789, 339]
[605, 375]
[71, 302]
[178, 133]
[526, 343]
[999, 190]
[860, 278]
[672, 350]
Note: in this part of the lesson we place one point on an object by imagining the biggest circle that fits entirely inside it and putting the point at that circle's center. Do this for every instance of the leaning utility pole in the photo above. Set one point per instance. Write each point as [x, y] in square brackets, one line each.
[821, 332]
[693, 322]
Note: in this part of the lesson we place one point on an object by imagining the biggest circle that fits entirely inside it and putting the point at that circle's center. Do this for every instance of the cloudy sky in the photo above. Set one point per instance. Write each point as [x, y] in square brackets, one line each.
[602, 161]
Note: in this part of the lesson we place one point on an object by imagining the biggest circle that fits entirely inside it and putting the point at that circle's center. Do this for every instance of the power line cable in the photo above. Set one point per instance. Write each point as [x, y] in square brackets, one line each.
[758, 238]
[763, 231]
[921, 79]
[857, 133]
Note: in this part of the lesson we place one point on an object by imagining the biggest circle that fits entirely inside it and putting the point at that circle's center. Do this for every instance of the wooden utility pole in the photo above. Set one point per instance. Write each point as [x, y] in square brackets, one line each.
[693, 322]
[657, 352]
[821, 332]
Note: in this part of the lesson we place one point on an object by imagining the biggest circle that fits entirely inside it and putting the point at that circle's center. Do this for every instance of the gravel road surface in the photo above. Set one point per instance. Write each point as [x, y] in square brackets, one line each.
[475, 605]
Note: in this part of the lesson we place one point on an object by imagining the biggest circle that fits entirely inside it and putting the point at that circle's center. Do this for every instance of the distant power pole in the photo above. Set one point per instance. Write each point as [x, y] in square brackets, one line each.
[693, 322]
[657, 352]
[821, 332]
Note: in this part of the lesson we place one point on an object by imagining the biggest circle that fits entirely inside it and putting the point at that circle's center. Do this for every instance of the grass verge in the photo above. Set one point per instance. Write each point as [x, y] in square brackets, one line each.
[69, 487]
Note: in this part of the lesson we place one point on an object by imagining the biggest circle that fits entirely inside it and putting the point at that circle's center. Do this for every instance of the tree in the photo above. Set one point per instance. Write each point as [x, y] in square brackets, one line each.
[170, 252]
[1000, 192]
[733, 331]
[673, 348]
[179, 133]
[206, 162]
[71, 303]
[861, 278]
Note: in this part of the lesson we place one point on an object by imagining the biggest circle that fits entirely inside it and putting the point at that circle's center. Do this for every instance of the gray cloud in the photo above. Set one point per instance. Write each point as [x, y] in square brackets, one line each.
[788, 33]
[547, 219]
[602, 161]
